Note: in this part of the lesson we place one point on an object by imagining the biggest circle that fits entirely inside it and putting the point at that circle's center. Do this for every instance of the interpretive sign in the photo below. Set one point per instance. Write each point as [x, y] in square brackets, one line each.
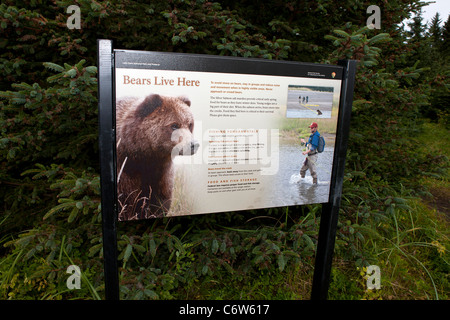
[201, 134]
[185, 134]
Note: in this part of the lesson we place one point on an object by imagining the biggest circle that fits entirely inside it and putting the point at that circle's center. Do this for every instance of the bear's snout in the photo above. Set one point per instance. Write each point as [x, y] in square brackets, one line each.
[188, 149]
[186, 145]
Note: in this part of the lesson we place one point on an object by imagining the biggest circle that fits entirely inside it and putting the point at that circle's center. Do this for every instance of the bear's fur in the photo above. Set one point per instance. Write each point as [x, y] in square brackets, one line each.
[149, 133]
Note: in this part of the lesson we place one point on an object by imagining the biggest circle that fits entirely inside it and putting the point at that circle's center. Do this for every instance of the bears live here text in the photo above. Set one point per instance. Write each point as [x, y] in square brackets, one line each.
[161, 81]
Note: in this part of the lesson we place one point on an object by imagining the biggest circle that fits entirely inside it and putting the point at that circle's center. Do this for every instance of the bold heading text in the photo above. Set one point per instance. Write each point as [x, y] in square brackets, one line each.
[161, 81]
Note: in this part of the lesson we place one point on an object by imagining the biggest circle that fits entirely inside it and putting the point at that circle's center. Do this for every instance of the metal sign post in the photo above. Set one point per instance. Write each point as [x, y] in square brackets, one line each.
[330, 210]
[107, 166]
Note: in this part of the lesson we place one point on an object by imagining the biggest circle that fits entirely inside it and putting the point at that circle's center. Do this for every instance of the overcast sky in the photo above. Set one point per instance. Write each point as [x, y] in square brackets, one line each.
[441, 6]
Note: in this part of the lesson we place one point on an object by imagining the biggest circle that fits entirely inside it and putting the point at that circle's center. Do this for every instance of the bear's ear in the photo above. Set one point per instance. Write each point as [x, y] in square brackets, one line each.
[150, 104]
[185, 100]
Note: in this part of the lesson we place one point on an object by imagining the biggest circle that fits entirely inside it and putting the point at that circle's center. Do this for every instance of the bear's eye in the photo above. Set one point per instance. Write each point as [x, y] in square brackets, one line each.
[191, 127]
[175, 126]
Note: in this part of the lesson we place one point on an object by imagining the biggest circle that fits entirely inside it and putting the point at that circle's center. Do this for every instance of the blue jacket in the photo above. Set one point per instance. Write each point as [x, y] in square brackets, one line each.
[313, 141]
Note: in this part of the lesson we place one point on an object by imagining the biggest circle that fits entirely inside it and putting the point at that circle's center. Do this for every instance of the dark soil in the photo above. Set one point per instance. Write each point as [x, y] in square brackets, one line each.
[440, 200]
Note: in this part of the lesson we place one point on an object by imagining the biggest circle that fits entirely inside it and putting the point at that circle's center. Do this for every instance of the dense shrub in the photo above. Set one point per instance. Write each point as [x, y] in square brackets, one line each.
[50, 216]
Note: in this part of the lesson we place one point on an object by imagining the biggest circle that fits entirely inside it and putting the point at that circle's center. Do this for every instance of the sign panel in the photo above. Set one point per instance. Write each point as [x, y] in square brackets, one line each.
[201, 134]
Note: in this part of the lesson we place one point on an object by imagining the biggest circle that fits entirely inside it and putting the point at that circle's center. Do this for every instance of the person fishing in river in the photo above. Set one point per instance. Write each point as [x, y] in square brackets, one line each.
[311, 153]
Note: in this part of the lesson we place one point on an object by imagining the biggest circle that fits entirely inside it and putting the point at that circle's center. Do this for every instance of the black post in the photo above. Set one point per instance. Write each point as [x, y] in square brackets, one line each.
[107, 166]
[330, 210]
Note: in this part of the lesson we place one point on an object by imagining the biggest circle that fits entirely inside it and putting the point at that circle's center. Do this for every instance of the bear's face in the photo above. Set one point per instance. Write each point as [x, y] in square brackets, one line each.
[168, 125]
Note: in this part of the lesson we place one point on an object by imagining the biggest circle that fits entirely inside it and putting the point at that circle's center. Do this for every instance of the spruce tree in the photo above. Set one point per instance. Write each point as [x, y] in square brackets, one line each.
[445, 46]
[435, 31]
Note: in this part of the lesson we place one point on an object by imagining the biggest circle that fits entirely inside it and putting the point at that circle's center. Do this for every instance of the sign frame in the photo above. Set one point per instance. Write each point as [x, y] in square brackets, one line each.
[107, 147]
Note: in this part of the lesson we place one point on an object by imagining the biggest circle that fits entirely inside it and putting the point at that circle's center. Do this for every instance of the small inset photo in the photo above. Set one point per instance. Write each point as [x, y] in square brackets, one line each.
[309, 102]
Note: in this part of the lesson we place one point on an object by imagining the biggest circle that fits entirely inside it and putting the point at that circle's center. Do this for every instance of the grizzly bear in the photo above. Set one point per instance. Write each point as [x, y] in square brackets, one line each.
[149, 133]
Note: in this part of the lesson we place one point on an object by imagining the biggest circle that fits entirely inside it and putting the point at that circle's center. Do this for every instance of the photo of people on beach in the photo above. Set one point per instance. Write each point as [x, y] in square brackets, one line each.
[309, 102]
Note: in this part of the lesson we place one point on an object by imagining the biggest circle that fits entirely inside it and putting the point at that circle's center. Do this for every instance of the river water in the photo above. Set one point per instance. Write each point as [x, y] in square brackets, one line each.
[290, 189]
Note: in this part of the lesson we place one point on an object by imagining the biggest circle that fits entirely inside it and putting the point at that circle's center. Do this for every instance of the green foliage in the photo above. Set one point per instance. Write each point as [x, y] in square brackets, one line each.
[380, 220]
[50, 216]
[42, 123]
[357, 45]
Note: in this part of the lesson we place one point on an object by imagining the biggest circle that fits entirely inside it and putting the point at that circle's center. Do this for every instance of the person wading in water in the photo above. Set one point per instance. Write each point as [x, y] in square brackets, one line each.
[311, 152]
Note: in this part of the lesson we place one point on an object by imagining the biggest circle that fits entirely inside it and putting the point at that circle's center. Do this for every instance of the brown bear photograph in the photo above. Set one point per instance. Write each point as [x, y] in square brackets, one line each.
[150, 133]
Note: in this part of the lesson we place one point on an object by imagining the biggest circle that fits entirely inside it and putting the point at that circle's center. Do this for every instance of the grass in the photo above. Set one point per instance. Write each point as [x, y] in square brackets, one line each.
[294, 128]
[410, 242]
[435, 138]
[182, 203]
[300, 125]
[413, 252]
[419, 236]
[292, 284]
